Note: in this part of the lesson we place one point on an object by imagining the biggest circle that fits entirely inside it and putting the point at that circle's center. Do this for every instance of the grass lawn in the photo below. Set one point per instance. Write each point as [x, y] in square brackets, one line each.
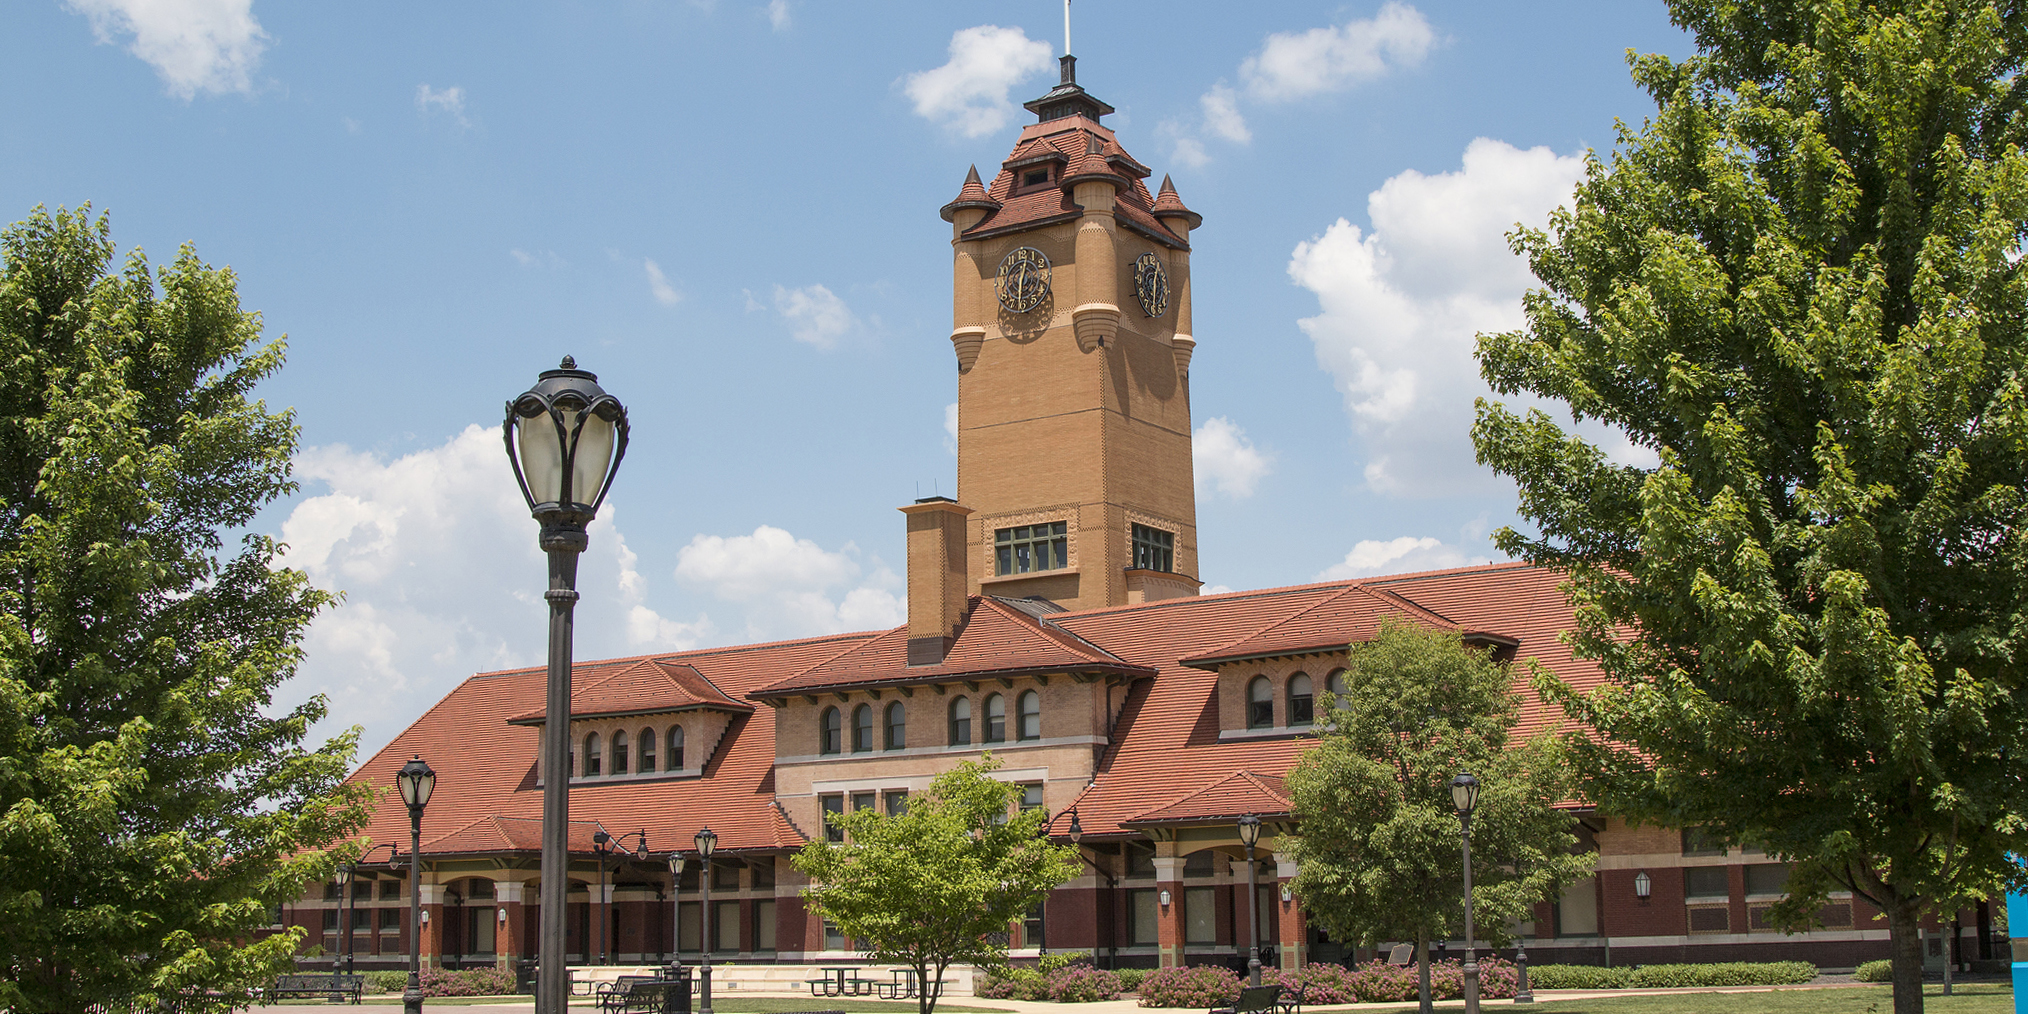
[1974, 998]
[719, 1004]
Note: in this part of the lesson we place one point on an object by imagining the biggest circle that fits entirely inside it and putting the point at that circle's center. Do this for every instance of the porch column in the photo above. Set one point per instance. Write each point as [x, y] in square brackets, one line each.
[1295, 937]
[509, 895]
[1169, 917]
[432, 939]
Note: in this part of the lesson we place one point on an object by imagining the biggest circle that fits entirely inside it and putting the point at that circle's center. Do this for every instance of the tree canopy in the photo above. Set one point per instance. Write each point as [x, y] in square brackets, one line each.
[940, 882]
[152, 813]
[1798, 285]
[1379, 855]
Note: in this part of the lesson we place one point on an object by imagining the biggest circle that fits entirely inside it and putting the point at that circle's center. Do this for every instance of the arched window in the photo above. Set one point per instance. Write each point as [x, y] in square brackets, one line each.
[647, 751]
[676, 749]
[1302, 706]
[1260, 704]
[961, 722]
[1334, 684]
[832, 737]
[996, 719]
[591, 755]
[862, 728]
[897, 726]
[1029, 711]
[620, 752]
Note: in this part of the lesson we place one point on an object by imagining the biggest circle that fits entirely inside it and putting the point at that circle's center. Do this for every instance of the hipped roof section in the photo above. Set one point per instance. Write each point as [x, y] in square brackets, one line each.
[648, 687]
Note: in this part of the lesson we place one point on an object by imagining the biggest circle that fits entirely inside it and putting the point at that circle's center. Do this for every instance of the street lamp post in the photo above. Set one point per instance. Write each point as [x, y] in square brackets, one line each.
[1465, 796]
[416, 782]
[1249, 833]
[605, 845]
[707, 842]
[348, 905]
[1112, 932]
[675, 915]
[565, 438]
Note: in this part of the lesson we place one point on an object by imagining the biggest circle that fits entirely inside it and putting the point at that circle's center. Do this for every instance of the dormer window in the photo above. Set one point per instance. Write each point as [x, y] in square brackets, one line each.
[1035, 177]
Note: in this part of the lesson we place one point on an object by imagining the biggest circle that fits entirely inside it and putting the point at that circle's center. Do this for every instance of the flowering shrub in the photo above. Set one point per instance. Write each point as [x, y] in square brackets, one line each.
[1013, 983]
[1081, 983]
[470, 982]
[1875, 971]
[1202, 986]
[1130, 978]
[1377, 981]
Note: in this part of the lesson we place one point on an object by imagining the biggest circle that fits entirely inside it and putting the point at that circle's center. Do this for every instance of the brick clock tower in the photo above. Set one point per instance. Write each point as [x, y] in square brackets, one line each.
[1071, 323]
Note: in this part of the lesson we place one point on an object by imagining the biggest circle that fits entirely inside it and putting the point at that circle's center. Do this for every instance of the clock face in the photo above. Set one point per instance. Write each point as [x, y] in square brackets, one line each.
[1024, 279]
[1151, 284]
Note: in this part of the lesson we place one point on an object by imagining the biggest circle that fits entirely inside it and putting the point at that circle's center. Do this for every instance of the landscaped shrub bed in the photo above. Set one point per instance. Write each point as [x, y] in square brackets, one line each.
[386, 982]
[1724, 973]
[1875, 971]
[468, 982]
[1374, 981]
[1130, 979]
[1061, 981]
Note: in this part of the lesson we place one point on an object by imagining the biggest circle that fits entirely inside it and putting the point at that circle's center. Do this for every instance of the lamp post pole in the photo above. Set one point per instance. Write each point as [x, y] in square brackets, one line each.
[346, 871]
[416, 782]
[675, 915]
[706, 843]
[1249, 833]
[1465, 796]
[565, 438]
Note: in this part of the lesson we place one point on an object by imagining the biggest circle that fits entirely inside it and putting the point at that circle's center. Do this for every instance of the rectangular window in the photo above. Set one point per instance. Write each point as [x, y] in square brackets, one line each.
[897, 802]
[864, 800]
[763, 874]
[1699, 842]
[1031, 796]
[1200, 915]
[1705, 882]
[832, 804]
[724, 877]
[1140, 860]
[689, 926]
[725, 926]
[1143, 925]
[1030, 548]
[764, 926]
[1154, 549]
[833, 939]
[1031, 928]
[390, 920]
[362, 920]
[1767, 878]
[390, 890]
[330, 920]
[1198, 864]
[1577, 910]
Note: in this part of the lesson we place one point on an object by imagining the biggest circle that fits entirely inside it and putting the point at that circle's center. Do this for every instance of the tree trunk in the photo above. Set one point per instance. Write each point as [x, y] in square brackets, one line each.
[1422, 975]
[1904, 946]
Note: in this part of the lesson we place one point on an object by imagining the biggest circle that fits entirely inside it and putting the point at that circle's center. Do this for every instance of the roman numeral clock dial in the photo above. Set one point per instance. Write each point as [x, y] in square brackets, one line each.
[1024, 279]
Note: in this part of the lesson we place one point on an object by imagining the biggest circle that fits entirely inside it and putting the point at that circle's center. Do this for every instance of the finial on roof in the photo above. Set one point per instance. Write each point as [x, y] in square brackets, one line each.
[971, 195]
[1066, 68]
[1168, 205]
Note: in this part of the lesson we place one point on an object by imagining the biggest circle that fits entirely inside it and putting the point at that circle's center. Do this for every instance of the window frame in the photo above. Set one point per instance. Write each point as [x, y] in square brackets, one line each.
[862, 729]
[675, 755]
[651, 749]
[592, 755]
[1152, 548]
[830, 731]
[1054, 542]
[1023, 714]
[620, 755]
[827, 804]
[1302, 708]
[894, 728]
[1260, 692]
[992, 733]
[960, 727]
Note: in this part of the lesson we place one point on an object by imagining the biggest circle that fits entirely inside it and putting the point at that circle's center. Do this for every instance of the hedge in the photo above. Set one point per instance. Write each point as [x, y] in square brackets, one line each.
[1724, 973]
[1376, 981]
[1875, 971]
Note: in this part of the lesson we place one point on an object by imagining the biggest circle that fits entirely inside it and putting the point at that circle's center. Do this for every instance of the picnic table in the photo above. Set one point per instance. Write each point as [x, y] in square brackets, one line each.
[840, 980]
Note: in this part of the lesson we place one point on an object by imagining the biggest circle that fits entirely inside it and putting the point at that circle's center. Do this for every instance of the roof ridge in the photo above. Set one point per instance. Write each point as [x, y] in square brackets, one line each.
[1187, 600]
[728, 649]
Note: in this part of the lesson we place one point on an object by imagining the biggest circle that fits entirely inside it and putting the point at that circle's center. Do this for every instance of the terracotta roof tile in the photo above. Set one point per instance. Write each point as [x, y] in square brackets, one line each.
[649, 686]
[1071, 141]
[1232, 797]
[996, 639]
[1168, 203]
[971, 195]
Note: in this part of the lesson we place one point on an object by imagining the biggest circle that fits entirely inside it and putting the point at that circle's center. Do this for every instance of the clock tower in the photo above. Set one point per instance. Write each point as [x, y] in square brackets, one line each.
[1071, 324]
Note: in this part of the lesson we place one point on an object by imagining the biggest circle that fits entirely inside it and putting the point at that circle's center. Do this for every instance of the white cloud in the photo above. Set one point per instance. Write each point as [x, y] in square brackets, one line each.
[658, 284]
[1221, 114]
[778, 15]
[1224, 457]
[1190, 151]
[450, 100]
[790, 586]
[1213, 589]
[437, 558]
[815, 315]
[196, 45]
[1404, 555]
[1295, 65]
[951, 427]
[968, 94]
[1401, 306]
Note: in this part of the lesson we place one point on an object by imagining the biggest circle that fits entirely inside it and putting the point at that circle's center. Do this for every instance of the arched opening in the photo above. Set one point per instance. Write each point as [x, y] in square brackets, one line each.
[897, 726]
[1028, 711]
[862, 728]
[1260, 704]
[648, 740]
[591, 755]
[961, 722]
[1302, 704]
[676, 748]
[620, 752]
[831, 737]
[996, 719]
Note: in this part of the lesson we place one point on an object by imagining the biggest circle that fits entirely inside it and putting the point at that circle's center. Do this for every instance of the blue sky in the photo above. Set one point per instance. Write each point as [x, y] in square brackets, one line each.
[729, 211]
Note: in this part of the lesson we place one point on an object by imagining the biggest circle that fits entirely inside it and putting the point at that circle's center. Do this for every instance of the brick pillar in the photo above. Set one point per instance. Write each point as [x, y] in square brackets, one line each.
[1295, 939]
[507, 942]
[432, 897]
[1169, 917]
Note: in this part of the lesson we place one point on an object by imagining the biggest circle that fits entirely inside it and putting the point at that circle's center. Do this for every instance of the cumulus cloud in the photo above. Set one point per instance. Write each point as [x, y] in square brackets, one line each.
[1221, 114]
[1405, 555]
[1294, 65]
[778, 15]
[442, 578]
[658, 284]
[1401, 306]
[195, 45]
[816, 316]
[450, 101]
[1223, 457]
[968, 94]
[793, 586]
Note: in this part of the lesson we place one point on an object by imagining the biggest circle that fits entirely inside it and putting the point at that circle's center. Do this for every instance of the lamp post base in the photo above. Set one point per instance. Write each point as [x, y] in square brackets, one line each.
[412, 998]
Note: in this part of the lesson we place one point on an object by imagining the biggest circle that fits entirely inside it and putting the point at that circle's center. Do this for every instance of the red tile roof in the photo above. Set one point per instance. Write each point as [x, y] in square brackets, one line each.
[1167, 203]
[1085, 150]
[1234, 796]
[996, 639]
[650, 686]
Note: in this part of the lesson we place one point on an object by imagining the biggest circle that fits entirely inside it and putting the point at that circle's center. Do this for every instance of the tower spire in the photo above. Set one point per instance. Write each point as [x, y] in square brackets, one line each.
[1066, 28]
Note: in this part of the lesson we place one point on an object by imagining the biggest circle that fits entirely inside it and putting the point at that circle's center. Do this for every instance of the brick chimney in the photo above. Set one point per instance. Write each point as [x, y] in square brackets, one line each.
[936, 577]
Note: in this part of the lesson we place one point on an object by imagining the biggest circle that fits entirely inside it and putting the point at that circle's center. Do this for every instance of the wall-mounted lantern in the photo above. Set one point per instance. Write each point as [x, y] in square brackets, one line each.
[1165, 897]
[1643, 886]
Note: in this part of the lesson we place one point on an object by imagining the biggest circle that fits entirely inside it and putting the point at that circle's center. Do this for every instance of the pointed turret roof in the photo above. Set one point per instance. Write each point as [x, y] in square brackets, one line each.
[971, 195]
[1167, 204]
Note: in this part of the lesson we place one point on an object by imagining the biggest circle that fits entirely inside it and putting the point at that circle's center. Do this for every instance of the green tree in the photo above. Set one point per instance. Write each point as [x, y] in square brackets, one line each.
[1799, 286]
[939, 883]
[1380, 855]
[152, 814]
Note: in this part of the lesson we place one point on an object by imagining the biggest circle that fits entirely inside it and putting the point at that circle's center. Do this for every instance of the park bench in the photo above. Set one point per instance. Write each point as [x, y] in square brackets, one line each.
[1291, 1001]
[900, 985]
[332, 984]
[640, 994]
[1253, 1000]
